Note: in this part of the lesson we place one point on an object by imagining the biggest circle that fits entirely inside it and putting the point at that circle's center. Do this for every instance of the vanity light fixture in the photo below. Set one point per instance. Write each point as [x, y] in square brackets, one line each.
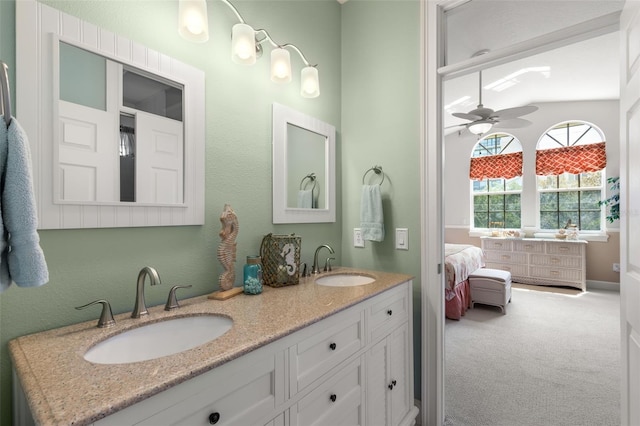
[246, 46]
[193, 24]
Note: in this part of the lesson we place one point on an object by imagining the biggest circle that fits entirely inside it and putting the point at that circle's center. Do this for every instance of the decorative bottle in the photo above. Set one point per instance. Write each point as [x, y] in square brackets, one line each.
[253, 275]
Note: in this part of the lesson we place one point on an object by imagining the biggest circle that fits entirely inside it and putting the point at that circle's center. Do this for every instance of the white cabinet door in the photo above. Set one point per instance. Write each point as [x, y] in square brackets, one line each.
[389, 393]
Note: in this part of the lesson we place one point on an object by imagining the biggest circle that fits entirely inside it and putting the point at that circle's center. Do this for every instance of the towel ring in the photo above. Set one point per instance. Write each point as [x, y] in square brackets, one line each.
[312, 178]
[6, 94]
[377, 170]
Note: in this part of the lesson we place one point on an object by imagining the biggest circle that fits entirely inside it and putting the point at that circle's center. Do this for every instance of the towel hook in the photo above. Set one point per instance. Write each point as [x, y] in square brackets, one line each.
[377, 170]
[312, 178]
[6, 94]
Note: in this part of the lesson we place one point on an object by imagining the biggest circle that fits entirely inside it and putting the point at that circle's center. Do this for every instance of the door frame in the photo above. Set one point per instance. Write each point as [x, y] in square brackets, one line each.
[432, 74]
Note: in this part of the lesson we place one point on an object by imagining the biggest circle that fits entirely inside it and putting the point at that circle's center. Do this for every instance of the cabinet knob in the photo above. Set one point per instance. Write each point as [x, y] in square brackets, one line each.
[333, 346]
[389, 312]
[333, 397]
[213, 418]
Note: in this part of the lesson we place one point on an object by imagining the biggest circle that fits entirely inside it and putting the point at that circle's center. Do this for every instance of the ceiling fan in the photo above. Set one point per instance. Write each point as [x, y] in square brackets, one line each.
[483, 119]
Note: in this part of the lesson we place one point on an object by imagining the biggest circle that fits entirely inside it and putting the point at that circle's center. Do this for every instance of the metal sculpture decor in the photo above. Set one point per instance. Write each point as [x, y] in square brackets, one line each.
[227, 255]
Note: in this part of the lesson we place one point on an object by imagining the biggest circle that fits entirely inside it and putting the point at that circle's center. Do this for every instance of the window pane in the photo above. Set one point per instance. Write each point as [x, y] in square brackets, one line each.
[590, 220]
[568, 201]
[589, 200]
[591, 179]
[512, 219]
[567, 180]
[481, 220]
[481, 203]
[512, 202]
[549, 201]
[480, 185]
[496, 203]
[496, 219]
[496, 185]
[514, 184]
[565, 217]
[548, 220]
[547, 182]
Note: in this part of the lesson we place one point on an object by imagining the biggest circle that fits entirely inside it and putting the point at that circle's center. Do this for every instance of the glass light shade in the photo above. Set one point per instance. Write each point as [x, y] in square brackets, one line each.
[243, 44]
[193, 22]
[310, 84]
[280, 66]
[480, 128]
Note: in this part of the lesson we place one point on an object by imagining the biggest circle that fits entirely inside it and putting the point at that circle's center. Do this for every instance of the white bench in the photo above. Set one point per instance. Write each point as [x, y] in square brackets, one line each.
[491, 287]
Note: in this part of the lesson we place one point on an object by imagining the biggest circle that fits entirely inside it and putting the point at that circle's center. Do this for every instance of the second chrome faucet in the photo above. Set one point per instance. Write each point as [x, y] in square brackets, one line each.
[140, 308]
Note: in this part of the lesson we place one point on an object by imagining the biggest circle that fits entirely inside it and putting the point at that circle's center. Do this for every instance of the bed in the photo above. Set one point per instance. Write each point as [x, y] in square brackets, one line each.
[460, 260]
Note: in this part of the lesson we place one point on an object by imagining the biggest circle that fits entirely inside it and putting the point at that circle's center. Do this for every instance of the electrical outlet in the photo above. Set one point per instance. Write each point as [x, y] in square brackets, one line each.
[357, 238]
[616, 267]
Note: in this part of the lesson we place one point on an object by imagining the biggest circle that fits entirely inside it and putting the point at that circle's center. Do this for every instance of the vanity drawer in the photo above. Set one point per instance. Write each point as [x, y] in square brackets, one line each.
[388, 311]
[224, 390]
[326, 348]
[505, 257]
[556, 261]
[339, 400]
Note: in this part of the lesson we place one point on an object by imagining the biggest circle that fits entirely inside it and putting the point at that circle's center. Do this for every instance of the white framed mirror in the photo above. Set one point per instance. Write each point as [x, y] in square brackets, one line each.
[116, 130]
[304, 188]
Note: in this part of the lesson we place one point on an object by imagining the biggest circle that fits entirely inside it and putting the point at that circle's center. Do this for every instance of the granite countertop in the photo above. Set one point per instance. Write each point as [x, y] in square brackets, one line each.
[63, 388]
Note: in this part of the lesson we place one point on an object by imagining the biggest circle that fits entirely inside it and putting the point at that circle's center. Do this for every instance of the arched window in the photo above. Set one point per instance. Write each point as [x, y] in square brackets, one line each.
[496, 178]
[570, 168]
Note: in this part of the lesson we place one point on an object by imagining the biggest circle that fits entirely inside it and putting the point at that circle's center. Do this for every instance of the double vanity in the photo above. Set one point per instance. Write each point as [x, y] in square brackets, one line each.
[334, 349]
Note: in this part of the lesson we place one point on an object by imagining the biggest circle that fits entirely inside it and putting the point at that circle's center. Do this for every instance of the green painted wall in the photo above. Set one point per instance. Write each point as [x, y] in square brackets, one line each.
[380, 126]
[369, 74]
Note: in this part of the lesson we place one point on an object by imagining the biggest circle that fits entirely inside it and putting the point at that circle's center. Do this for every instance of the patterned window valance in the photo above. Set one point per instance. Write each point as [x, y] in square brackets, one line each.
[571, 159]
[505, 166]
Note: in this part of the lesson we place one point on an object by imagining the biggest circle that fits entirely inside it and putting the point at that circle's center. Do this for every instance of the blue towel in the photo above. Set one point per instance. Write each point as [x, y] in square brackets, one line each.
[21, 258]
[371, 217]
[305, 199]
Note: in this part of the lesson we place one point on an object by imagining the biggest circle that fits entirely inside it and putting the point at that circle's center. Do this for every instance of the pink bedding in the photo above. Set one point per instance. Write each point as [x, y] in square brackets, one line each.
[460, 260]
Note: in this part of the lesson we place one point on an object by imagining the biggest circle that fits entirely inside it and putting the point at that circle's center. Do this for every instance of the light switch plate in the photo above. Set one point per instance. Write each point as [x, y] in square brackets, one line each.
[357, 238]
[402, 239]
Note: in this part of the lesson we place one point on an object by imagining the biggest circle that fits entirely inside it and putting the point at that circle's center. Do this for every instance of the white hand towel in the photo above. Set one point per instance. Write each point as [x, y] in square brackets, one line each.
[22, 253]
[371, 216]
[305, 199]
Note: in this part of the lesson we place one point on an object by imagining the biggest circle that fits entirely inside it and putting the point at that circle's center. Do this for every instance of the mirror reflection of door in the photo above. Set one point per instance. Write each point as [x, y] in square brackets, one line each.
[121, 132]
[306, 153]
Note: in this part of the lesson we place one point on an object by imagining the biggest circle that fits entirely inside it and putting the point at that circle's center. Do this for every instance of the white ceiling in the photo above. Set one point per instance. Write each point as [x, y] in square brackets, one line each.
[588, 70]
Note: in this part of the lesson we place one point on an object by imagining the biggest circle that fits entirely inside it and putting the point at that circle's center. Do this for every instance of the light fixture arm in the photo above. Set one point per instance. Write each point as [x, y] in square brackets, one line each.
[480, 88]
[267, 36]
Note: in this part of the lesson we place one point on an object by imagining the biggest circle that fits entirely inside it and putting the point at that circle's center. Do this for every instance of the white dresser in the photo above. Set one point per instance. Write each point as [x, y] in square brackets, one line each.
[538, 261]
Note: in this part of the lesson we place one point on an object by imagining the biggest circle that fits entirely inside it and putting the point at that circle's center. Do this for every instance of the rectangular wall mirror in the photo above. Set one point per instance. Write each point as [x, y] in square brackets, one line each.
[118, 134]
[303, 168]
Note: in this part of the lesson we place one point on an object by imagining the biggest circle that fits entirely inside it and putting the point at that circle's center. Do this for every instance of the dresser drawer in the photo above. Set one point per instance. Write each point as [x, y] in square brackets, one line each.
[337, 401]
[326, 348]
[505, 257]
[529, 246]
[556, 261]
[571, 249]
[558, 274]
[390, 310]
[516, 270]
[498, 244]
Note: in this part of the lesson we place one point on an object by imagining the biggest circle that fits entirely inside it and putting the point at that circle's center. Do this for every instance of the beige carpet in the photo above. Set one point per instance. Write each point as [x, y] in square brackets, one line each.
[550, 289]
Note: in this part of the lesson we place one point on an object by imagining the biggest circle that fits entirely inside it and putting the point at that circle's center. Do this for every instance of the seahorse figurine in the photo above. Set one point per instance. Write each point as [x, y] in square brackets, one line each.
[227, 247]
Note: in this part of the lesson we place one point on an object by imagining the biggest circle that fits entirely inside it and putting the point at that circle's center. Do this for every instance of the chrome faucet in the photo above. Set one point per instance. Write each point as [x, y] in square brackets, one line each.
[140, 309]
[316, 269]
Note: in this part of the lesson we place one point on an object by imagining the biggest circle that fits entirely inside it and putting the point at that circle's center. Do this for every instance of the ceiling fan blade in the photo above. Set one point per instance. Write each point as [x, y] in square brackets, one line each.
[509, 113]
[482, 112]
[466, 116]
[513, 123]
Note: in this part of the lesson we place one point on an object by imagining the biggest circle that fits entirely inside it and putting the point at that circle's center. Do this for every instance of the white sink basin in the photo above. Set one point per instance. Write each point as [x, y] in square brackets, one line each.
[344, 280]
[159, 339]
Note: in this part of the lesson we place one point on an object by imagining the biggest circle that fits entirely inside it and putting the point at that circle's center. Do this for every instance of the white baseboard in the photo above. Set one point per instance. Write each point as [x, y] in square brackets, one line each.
[603, 285]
